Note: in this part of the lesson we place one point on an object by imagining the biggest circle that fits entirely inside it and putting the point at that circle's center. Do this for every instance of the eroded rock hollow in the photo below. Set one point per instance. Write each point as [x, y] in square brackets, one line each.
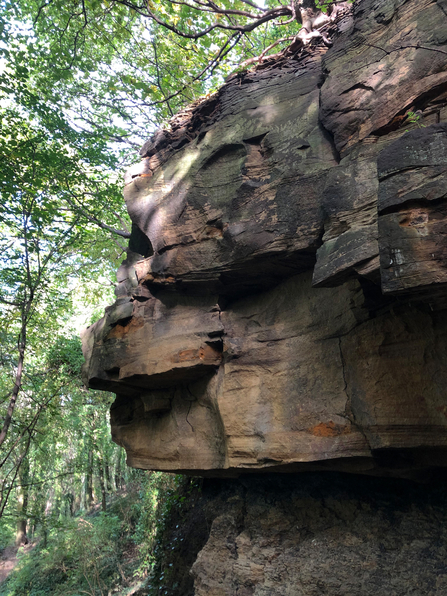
[282, 307]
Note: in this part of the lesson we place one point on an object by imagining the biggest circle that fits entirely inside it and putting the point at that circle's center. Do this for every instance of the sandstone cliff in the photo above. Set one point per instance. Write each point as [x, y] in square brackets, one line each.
[282, 304]
[282, 308]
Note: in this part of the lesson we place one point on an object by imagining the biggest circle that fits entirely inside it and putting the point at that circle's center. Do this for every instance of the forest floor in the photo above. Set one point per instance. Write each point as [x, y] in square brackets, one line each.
[8, 559]
[130, 587]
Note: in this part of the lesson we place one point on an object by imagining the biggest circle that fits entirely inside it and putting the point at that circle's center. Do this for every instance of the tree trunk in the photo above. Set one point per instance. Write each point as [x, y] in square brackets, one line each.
[18, 380]
[22, 503]
[109, 483]
[89, 481]
[25, 308]
[311, 19]
[305, 10]
[102, 483]
[21, 537]
[118, 477]
[70, 499]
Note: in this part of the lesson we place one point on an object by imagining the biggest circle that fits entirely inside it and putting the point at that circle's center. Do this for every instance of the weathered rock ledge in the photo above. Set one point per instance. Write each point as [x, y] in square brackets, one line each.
[283, 303]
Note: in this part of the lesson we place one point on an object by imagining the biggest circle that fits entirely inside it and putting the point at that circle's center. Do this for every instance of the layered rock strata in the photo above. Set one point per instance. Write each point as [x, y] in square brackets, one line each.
[282, 305]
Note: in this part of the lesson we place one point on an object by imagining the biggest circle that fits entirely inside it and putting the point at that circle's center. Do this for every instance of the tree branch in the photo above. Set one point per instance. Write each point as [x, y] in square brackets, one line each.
[76, 205]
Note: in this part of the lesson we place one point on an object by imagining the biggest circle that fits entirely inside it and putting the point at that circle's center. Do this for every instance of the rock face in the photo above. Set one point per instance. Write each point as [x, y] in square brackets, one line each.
[283, 304]
[323, 534]
[283, 308]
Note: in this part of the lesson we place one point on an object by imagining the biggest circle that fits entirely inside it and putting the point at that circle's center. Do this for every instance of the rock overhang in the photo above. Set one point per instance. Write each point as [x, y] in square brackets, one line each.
[288, 312]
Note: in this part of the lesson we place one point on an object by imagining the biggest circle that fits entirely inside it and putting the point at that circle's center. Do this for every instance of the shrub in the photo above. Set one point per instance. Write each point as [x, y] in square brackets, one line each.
[81, 557]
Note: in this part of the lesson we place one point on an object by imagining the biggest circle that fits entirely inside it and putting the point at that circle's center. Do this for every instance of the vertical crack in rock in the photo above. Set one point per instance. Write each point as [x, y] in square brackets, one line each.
[345, 388]
[348, 412]
[187, 414]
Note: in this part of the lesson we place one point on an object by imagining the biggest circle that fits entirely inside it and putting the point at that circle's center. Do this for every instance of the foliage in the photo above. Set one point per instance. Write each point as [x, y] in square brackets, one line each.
[101, 553]
[180, 530]
[415, 118]
[121, 68]
[60, 203]
[159, 493]
[81, 556]
[65, 356]
[7, 533]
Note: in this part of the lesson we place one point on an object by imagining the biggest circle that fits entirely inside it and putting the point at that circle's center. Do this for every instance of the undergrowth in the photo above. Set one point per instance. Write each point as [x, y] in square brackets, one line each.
[127, 549]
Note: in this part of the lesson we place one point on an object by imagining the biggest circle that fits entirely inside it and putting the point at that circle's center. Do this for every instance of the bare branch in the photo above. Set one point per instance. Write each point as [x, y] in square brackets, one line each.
[270, 47]
[269, 15]
[78, 207]
[40, 9]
